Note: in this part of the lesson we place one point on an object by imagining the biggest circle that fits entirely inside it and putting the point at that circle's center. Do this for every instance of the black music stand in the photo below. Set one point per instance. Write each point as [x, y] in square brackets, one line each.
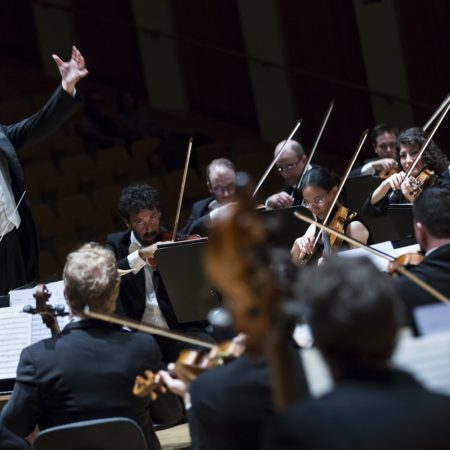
[288, 227]
[358, 189]
[396, 225]
[180, 267]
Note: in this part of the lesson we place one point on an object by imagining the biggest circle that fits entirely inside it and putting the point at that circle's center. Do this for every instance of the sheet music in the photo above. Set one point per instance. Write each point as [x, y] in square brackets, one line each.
[19, 329]
[427, 358]
[15, 334]
[380, 263]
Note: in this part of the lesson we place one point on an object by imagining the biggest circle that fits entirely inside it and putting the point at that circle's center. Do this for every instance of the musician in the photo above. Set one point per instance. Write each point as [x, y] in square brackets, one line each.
[18, 237]
[290, 166]
[319, 188]
[408, 189]
[221, 183]
[353, 313]
[88, 371]
[383, 139]
[431, 213]
[143, 295]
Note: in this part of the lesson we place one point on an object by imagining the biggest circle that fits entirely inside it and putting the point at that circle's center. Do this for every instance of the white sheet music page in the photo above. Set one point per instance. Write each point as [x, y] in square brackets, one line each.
[15, 334]
[428, 359]
[23, 297]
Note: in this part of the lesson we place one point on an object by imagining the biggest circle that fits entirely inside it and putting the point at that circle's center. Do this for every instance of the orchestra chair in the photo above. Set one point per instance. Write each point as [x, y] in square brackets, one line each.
[114, 433]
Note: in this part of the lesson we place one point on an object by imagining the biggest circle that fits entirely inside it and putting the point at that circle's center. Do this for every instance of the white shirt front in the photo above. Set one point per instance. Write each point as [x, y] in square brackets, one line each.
[152, 313]
[9, 216]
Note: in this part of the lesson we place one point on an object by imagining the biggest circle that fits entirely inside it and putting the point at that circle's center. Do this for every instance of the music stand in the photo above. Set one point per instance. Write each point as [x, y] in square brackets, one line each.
[396, 225]
[288, 227]
[358, 189]
[190, 294]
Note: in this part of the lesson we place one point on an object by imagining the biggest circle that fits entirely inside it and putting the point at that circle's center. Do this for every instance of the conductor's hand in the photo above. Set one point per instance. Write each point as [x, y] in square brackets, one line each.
[303, 246]
[71, 71]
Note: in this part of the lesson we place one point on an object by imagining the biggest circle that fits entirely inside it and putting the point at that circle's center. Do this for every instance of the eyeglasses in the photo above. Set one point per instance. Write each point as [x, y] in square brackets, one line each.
[282, 169]
[319, 201]
[220, 190]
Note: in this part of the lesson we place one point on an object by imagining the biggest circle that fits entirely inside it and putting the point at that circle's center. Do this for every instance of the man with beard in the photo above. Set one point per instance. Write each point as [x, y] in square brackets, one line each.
[143, 295]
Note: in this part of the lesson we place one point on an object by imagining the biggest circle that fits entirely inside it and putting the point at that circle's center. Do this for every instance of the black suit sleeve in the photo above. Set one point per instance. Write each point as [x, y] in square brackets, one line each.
[57, 109]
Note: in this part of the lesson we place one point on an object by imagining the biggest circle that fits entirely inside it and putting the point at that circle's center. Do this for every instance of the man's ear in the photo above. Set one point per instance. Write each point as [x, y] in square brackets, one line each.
[127, 224]
[68, 303]
[421, 235]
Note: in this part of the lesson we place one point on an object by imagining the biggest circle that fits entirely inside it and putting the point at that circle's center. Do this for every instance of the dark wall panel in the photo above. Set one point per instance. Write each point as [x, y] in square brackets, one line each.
[217, 83]
[322, 39]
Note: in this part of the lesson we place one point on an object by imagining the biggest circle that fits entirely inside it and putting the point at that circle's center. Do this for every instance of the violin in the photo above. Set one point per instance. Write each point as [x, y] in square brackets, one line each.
[407, 260]
[189, 365]
[48, 312]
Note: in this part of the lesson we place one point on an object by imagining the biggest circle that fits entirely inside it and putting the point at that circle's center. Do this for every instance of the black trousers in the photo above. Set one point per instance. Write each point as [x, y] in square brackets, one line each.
[12, 266]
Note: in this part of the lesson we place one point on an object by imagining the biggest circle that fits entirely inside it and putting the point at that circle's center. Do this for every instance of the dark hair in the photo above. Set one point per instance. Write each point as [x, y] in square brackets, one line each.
[352, 310]
[319, 177]
[380, 129]
[136, 197]
[432, 209]
[433, 158]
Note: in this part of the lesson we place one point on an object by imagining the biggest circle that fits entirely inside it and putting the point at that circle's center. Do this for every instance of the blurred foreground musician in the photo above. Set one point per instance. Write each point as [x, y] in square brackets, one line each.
[88, 371]
[431, 212]
[353, 314]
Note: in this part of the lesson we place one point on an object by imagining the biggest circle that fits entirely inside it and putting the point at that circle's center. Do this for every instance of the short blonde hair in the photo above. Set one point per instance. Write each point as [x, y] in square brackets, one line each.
[91, 279]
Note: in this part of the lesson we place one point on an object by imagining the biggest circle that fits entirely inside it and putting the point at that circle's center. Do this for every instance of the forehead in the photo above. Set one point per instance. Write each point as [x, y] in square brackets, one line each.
[310, 192]
[405, 148]
[385, 137]
[143, 213]
[288, 156]
[221, 174]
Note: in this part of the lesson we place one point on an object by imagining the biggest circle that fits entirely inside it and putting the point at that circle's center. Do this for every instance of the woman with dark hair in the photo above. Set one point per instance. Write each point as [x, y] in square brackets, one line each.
[319, 188]
[409, 188]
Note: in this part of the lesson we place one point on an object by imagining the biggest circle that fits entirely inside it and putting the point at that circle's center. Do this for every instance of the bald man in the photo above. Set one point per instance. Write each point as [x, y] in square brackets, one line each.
[290, 166]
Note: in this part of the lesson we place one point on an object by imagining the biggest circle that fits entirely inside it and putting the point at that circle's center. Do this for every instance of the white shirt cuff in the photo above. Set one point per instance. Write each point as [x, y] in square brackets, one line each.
[367, 169]
[135, 261]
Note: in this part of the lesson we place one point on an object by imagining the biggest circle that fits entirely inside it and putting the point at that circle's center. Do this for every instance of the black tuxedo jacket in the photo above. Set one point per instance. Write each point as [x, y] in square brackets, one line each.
[87, 372]
[14, 138]
[131, 302]
[199, 219]
[435, 270]
[374, 410]
[229, 405]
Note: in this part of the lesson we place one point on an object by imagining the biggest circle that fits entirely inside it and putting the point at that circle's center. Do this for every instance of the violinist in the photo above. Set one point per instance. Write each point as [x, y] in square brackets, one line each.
[427, 172]
[221, 183]
[431, 214]
[383, 139]
[319, 188]
[290, 166]
[143, 295]
[88, 371]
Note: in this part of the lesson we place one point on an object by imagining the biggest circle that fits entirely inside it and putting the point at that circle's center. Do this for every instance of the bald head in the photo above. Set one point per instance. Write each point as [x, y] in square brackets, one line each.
[291, 162]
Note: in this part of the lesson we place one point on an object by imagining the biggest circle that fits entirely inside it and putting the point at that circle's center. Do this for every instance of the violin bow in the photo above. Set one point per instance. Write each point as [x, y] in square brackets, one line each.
[344, 179]
[146, 328]
[183, 183]
[436, 113]
[431, 290]
[266, 173]
[15, 209]
[316, 142]
[430, 136]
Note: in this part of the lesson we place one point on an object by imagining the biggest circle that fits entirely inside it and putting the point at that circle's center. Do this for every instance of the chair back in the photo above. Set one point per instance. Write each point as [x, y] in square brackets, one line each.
[115, 433]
